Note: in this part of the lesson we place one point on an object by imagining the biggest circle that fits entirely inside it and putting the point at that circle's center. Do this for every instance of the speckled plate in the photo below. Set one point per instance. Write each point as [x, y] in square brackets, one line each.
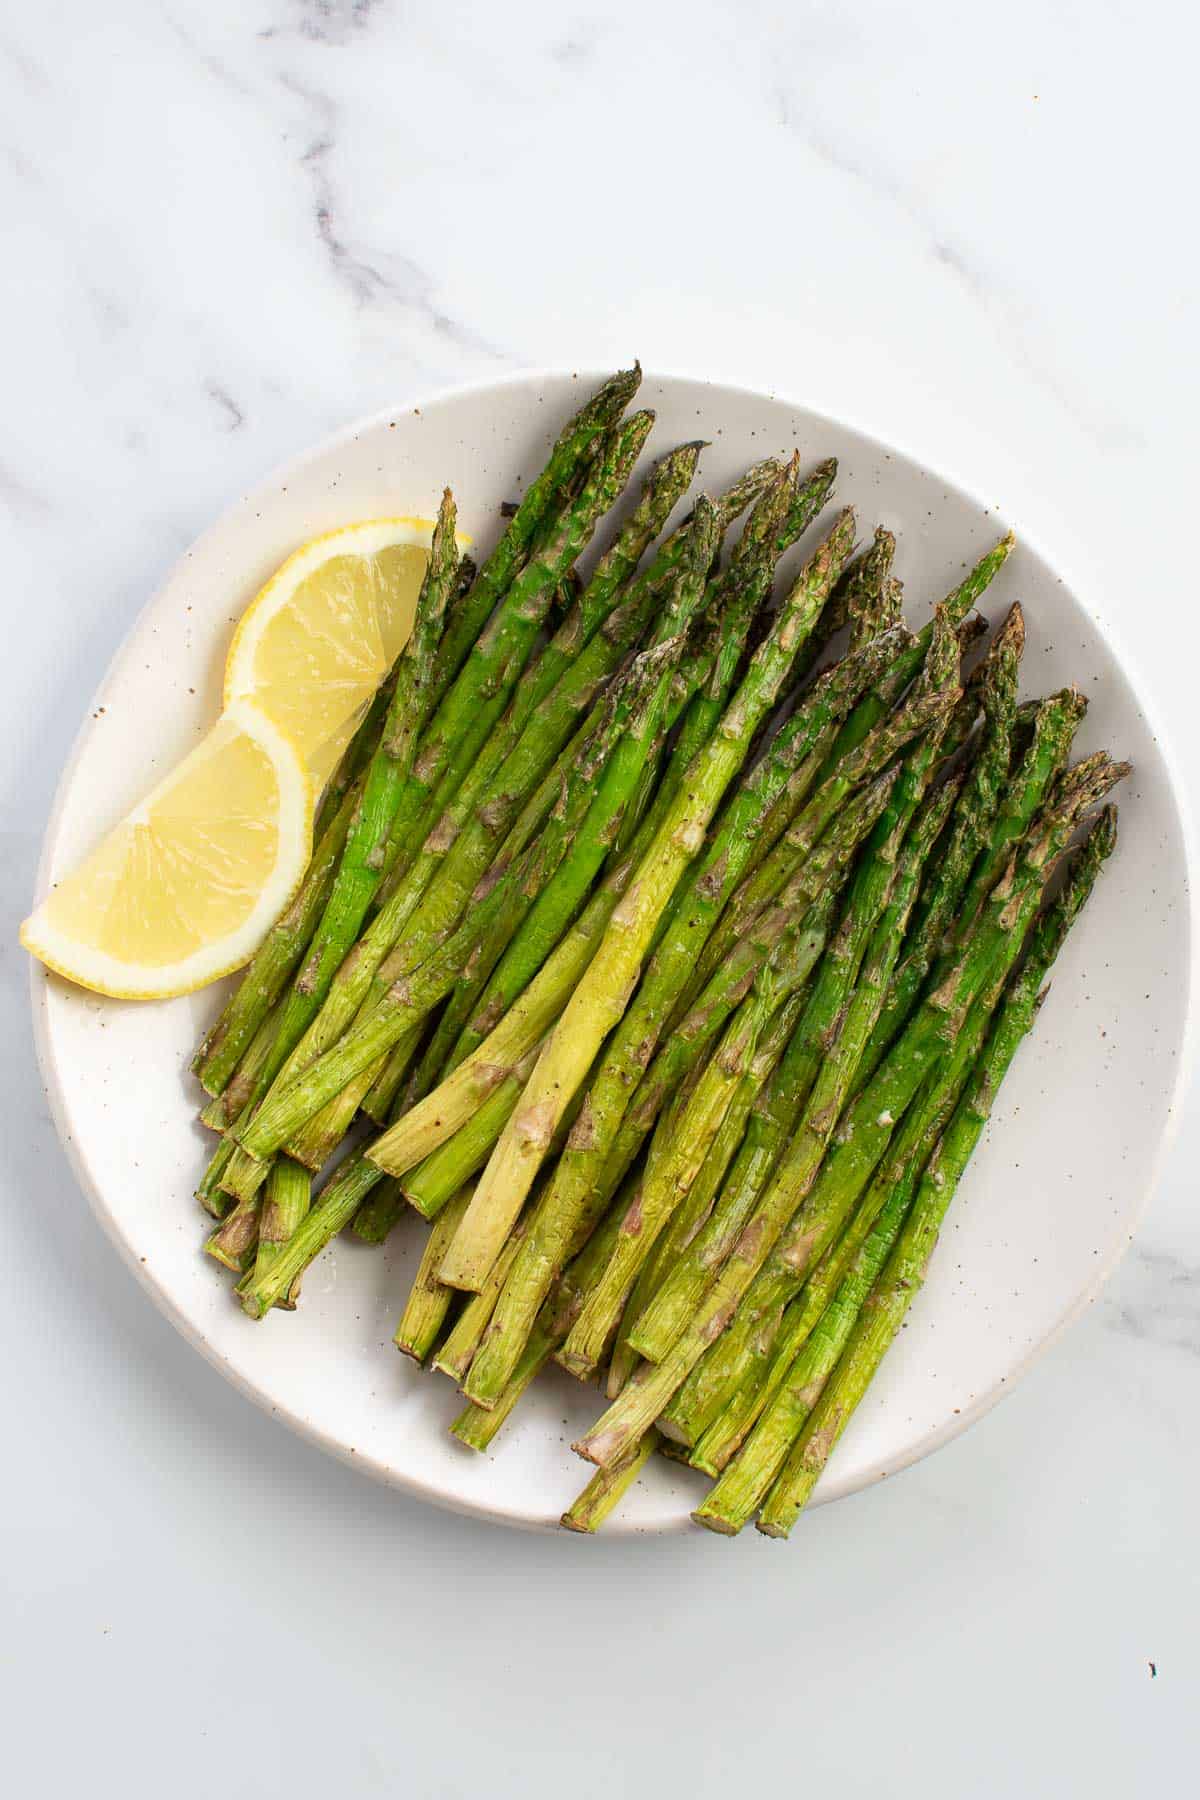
[1050, 1200]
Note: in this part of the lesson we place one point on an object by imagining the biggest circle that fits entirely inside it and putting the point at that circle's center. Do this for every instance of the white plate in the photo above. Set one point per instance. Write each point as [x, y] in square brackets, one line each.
[1052, 1197]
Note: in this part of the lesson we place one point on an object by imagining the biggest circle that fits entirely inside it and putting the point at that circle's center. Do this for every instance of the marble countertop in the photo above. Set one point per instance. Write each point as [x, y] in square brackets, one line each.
[230, 228]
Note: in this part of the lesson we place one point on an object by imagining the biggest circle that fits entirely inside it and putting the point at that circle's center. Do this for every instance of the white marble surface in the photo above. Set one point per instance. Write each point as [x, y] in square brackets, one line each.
[231, 227]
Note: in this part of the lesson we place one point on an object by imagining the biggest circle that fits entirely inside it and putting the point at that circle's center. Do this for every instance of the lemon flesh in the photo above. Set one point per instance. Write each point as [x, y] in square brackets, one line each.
[185, 887]
[314, 645]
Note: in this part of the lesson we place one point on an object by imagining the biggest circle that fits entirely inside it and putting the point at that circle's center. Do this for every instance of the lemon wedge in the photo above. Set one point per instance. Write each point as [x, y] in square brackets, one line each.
[313, 646]
[185, 887]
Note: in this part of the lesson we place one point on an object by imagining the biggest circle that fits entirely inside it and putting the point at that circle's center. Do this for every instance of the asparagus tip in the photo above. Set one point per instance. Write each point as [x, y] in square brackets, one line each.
[1104, 833]
[1011, 635]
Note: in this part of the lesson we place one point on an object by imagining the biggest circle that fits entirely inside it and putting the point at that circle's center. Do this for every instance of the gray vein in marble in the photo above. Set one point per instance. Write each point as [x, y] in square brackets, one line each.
[577, 48]
[20, 165]
[1155, 1296]
[31, 73]
[21, 500]
[373, 278]
[328, 21]
[232, 413]
[983, 285]
[216, 67]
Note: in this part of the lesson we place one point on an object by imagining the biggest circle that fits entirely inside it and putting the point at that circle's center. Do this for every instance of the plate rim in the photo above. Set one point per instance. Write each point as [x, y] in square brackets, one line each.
[282, 473]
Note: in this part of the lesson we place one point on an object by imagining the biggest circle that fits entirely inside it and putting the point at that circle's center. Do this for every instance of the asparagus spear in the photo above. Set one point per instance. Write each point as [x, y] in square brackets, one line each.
[380, 1212]
[333, 1208]
[924, 712]
[223, 1109]
[889, 1193]
[600, 996]
[991, 690]
[276, 958]
[834, 1010]
[288, 1197]
[398, 1084]
[676, 1155]
[209, 1191]
[454, 1357]
[717, 1376]
[537, 845]
[429, 1302]
[227, 1042]
[378, 1215]
[316, 1139]
[835, 618]
[436, 1118]
[791, 761]
[411, 997]
[872, 597]
[468, 571]
[828, 1205]
[466, 1152]
[814, 1341]
[977, 808]
[903, 1275]
[625, 738]
[558, 688]
[233, 1241]
[429, 1124]
[213, 1114]
[730, 620]
[454, 734]
[358, 871]
[956, 606]
[588, 1511]
[561, 684]
[772, 1120]
[560, 899]
[605, 618]
[772, 1117]
[773, 1404]
[549, 819]
[544, 495]
[694, 1213]
[736, 596]
[966, 714]
[822, 1206]
[682, 1143]
[741, 588]
[556, 1220]
[362, 745]
[748, 487]
[469, 1014]
[842, 770]
[477, 1426]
